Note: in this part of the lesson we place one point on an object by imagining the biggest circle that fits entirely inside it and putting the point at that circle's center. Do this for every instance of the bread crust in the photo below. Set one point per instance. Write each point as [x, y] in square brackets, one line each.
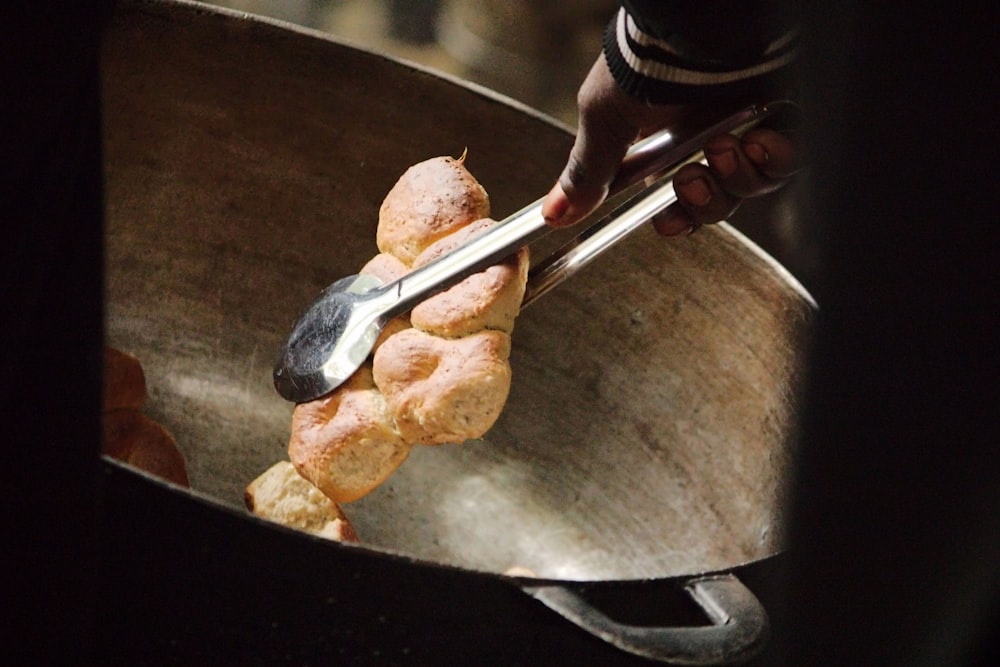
[430, 200]
[440, 374]
[444, 391]
[346, 442]
[124, 381]
[132, 437]
[490, 299]
[281, 495]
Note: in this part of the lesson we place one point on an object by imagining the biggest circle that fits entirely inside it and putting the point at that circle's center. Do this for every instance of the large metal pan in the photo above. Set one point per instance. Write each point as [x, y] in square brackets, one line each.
[644, 445]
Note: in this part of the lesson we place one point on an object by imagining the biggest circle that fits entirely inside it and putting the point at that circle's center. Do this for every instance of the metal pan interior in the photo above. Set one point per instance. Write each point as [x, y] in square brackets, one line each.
[649, 425]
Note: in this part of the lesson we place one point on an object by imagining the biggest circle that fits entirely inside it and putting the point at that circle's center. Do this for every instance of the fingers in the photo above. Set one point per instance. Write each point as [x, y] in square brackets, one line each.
[604, 134]
[737, 169]
[701, 200]
[776, 155]
[610, 120]
[584, 182]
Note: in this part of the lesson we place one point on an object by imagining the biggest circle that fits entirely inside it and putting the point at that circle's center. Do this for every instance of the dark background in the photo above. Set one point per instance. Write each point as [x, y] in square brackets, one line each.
[895, 537]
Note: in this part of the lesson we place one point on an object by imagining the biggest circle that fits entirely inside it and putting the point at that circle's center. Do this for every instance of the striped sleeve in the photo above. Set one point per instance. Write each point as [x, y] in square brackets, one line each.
[661, 58]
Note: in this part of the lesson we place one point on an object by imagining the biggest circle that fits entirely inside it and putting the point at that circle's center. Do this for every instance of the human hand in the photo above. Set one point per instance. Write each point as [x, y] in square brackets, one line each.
[610, 120]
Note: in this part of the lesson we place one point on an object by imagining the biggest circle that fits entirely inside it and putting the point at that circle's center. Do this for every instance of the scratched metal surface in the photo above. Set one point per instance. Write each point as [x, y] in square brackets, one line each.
[649, 427]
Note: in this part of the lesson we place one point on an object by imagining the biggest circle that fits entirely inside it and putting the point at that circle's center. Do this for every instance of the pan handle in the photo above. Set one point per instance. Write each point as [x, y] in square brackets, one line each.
[739, 624]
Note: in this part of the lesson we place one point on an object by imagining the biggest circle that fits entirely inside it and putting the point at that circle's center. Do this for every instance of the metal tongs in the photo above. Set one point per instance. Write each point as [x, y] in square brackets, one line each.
[335, 334]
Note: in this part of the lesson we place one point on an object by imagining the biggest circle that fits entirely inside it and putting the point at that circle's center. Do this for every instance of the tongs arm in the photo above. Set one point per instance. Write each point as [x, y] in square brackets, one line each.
[651, 159]
[338, 331]
[654, 156]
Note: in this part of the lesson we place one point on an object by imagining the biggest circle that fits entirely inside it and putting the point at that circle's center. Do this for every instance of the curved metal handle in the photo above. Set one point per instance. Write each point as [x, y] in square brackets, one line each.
[739, 624]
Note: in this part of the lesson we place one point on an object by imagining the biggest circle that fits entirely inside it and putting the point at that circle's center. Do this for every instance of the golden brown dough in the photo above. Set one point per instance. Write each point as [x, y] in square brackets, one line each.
[346, 443]
[134, 438]
[281, 495]
[444, 391]
[490, 299]
[124, 381]
[444, 379]
[429, 201]
[128, 435]
[385, 267]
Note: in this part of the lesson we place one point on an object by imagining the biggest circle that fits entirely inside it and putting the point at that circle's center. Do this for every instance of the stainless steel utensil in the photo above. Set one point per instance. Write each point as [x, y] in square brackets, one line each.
[337, 332]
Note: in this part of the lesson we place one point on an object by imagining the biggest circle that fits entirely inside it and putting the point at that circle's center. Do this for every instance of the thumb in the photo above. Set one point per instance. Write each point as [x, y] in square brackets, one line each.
[602, 139]
[582, 186]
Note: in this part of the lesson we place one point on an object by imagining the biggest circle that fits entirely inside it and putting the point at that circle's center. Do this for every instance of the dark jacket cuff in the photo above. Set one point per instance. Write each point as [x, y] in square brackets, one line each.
[657, 71]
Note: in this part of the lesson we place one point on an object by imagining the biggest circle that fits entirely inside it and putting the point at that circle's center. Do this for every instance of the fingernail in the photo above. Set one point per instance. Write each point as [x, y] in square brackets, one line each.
[672, 222]
[696, 192]
[555, 215]
[756, 153]
[554, 209]
[723, 161]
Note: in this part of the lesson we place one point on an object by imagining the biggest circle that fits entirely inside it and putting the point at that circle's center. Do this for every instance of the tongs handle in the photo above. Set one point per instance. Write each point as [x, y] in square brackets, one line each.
[646, 158]
[651, 157]
[338, 331]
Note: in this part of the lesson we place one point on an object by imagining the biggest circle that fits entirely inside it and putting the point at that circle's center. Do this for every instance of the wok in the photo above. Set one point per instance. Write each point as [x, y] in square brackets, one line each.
[644, 445]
